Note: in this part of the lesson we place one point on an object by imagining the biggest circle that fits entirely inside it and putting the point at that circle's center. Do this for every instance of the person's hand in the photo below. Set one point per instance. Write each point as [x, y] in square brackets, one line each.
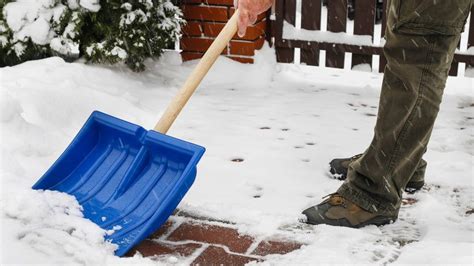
[248, 12]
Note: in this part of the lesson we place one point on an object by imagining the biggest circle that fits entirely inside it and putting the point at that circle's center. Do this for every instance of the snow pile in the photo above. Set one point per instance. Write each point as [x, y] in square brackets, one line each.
[284, 122]
[48, 227]
[51, 224]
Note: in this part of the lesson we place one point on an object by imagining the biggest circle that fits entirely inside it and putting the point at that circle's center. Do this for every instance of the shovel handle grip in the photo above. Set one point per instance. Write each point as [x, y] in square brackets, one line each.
[193, 81]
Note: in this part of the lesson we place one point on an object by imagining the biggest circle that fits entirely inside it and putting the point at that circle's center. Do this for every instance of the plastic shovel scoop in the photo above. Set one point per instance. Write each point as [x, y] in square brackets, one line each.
[127, 179]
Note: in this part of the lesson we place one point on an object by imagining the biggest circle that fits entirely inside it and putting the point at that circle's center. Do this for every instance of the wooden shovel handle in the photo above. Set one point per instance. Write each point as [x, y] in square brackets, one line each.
[193, 81]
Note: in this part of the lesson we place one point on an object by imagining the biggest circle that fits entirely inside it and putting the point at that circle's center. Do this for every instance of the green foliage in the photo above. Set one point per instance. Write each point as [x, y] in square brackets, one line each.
[131, 31]
[28, 28]
[12, 52]
[120, 31]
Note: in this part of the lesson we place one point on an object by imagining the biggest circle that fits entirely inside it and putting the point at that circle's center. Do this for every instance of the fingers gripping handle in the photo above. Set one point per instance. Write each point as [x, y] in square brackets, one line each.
[197, 75]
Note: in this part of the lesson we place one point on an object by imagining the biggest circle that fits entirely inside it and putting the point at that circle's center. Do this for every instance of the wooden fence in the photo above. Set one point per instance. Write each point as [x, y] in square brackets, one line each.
[335, 41]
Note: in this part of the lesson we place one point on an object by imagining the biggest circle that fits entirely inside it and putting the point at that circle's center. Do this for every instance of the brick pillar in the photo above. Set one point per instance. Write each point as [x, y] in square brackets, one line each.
[206, 18]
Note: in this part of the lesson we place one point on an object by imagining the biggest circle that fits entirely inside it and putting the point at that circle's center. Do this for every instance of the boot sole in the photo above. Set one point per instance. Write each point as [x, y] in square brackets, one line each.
[413, 187]
[377, 221]
[334, 175]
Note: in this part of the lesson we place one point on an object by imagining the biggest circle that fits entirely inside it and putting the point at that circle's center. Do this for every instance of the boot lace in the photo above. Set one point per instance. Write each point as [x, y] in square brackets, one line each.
[335, 201]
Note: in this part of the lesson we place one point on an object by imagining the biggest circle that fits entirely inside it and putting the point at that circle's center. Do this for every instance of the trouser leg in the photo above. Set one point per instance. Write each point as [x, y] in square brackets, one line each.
[419, 53]
[419, 174]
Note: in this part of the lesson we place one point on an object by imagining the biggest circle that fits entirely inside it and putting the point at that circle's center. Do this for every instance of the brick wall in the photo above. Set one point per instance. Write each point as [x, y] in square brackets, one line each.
[205, 20]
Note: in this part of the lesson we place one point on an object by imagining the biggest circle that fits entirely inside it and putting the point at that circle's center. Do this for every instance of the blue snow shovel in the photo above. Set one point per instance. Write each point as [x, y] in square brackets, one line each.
[127, 179]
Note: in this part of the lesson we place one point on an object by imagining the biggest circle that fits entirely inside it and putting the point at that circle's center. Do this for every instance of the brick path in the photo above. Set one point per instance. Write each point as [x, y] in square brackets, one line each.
[209, 242]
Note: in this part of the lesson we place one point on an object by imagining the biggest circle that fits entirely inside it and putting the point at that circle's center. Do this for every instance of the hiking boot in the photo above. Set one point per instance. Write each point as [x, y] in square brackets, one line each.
[338, 167]
[338, 211]
[338, 170]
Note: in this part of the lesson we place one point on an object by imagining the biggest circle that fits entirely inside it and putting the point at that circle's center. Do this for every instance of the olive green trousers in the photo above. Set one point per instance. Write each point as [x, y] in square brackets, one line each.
[421, 38]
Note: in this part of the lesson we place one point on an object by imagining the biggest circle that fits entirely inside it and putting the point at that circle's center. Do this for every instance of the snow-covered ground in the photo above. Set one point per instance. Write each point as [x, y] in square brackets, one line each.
[285, 121]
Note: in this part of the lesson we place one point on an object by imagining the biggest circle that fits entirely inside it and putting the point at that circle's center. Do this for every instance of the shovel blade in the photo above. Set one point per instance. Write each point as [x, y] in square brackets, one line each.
[128, 180]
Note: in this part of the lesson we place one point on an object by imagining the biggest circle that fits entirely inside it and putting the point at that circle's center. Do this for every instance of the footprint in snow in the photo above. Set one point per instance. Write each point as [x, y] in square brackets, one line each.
[299, 226]
[461, 198]
[387, 246]
[465, 104]
[257, 191]
[382, 246]
[409, 201]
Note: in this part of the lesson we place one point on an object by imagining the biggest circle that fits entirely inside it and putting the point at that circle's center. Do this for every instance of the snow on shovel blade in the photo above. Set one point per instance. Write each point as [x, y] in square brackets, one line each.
[127, 179]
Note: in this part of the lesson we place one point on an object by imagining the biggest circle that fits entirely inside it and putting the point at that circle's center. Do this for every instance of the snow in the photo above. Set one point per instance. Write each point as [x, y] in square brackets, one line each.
[469, 72]
[290, 32]
[65, 46]
[38, 20]
[92, 5]
[42, 220]
[362, 67]
[121, 53]
[130, 17]
[285, 121]
[31, 19]
[73, 4]
[469, 51]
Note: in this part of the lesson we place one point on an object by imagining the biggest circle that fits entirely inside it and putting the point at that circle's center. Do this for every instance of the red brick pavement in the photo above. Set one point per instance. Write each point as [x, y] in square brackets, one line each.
[207, 242]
